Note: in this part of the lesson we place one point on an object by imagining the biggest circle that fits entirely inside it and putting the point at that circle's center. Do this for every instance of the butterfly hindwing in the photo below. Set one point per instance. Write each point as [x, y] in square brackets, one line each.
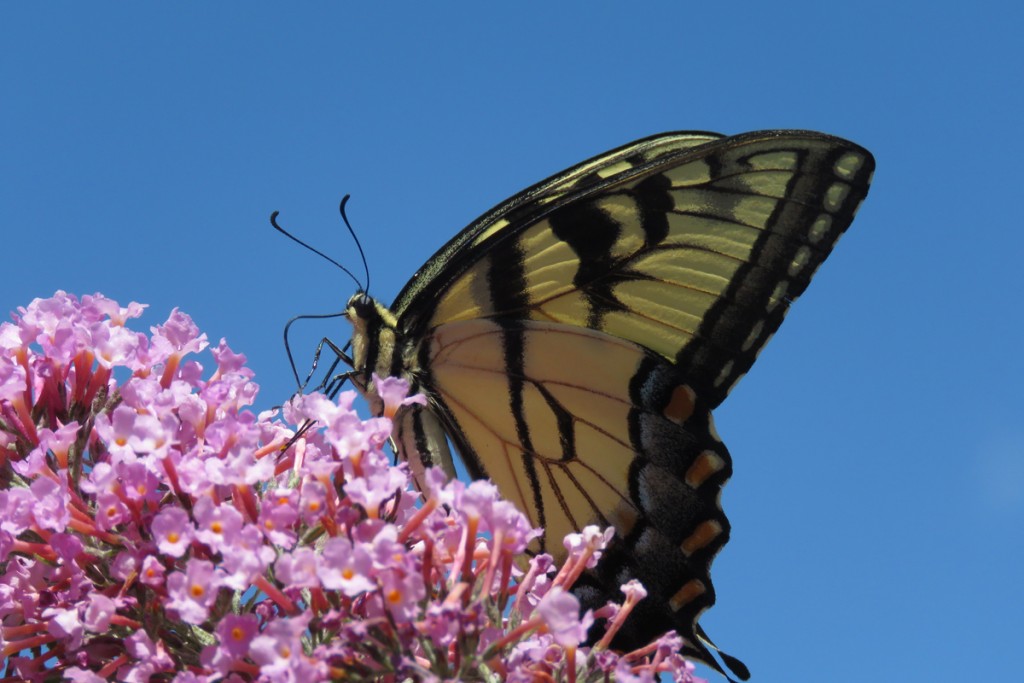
[570, 448]
[572, 342]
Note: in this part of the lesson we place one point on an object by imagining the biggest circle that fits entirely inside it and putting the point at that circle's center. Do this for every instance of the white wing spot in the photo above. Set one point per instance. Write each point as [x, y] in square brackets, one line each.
[800, 261]
[752, 338]
[723, 376]
[848, 165]
[835, 196]
[778, 295]
[820, 228]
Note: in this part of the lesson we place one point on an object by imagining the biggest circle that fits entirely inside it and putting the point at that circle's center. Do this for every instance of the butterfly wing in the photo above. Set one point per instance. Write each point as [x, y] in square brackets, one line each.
[607, 432]
[446, 268]
[573, 341]
[693, 247]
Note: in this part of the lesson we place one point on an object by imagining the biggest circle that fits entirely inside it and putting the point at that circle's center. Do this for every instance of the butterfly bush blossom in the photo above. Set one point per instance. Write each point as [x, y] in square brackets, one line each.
[153, 528]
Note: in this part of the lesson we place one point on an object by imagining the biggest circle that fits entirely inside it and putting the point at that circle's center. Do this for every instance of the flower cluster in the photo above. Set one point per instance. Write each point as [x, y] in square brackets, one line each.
[153, 528]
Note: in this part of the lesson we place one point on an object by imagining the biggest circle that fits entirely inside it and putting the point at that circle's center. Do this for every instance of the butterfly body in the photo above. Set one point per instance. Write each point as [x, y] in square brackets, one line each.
[573, 341]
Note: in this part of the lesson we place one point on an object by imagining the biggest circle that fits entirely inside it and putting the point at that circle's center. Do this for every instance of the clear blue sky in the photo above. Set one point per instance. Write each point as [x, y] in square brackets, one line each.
[878, 499]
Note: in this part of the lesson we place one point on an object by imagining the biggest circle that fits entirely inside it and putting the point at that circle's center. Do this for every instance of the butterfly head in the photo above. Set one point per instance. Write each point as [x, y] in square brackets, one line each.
[360, 306]
[368, 315]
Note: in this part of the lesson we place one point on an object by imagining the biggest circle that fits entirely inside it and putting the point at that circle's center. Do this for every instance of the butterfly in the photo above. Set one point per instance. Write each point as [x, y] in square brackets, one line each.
[573, 341]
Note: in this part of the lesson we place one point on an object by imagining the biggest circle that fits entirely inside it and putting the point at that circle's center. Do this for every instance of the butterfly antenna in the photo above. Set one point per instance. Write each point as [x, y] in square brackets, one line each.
[273, 221]
[339, 353]
[355, 238]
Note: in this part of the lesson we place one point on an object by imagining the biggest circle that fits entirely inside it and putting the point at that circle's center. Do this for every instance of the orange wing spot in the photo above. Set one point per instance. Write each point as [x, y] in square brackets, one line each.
[706, 464]
[690, 591]
[706, 533]
[624, 517]
[680, 406]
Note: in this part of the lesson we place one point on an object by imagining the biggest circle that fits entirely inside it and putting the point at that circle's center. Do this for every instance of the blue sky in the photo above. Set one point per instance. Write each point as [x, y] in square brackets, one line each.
[878, 495]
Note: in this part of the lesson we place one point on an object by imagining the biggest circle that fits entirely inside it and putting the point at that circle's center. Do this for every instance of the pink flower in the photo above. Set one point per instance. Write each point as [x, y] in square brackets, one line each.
[129, 435]
[78, 675]
[561, 613]
[386, 550]
[98, 612]
[589, 543]
[278, 650]
[313, 501]
[346, 567]
[140, 484]
[110, 510]
[65, 624]
[278, 515]
[216, 524]
[244, 558]
[173, 531]
[193, 591]
[137, 509]
[298, 569]
[236, 632]
[402, 594]
[228, 361]
[52, 500]
[150, 658]
[116, 346]
[175, 338]
[152, 572]
[394, 393]
[376, 487]
[58, 441]
[16, 510]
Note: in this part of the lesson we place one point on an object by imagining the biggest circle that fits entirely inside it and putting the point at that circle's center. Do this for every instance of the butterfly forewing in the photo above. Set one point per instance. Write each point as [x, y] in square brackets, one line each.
[444, 270]
[695, 254]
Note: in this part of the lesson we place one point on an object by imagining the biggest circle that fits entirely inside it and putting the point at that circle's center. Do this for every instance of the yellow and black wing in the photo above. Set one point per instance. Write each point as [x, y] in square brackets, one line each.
[573, 341]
